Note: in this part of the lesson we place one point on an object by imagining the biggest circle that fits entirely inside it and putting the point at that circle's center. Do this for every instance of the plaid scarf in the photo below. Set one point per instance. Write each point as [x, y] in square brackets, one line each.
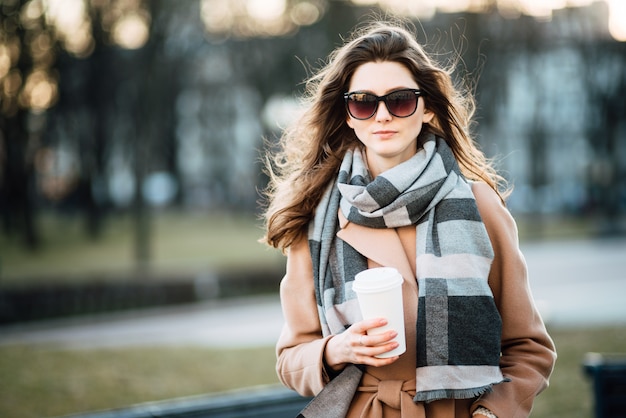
[458, 325]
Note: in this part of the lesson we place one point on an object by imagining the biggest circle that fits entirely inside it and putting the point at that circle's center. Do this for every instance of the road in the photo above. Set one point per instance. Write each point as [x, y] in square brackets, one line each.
[574, 283]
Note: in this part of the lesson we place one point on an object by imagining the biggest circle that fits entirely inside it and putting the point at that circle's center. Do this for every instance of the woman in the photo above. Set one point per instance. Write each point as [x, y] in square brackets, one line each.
[381, 171]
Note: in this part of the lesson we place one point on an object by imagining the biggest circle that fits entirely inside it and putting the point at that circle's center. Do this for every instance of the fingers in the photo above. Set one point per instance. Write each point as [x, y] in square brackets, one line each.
[359, 345]
[366, 347]
[377, 340]
[363, 326]
[367, 356]
[374, 345]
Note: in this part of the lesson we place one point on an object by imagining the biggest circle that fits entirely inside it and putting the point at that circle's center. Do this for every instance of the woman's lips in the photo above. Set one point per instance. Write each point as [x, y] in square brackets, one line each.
[385, 134]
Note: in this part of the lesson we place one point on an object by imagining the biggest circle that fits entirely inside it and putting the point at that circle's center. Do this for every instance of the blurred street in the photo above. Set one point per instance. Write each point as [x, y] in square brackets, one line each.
[578, 283]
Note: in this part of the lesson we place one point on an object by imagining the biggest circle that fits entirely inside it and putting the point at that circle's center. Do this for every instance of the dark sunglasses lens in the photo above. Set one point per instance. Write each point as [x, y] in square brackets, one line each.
[402, 103]
[362, 105]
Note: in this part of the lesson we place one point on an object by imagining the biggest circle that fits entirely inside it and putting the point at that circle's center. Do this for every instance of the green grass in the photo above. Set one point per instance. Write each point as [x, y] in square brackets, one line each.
[570, 392]
[556, 227]
[40, 382]
[44, 382]
[182, 243]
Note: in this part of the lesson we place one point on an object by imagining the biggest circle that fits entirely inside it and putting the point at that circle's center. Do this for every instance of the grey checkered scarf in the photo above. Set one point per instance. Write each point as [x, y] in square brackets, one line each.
[458, 325]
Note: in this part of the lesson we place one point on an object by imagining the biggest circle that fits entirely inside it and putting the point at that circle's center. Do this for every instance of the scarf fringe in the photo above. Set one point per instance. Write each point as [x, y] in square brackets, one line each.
[438, 394]
[469, 393]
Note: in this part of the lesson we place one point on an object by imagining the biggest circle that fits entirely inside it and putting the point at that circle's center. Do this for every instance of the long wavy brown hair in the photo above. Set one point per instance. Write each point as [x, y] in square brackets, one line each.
[311, 150]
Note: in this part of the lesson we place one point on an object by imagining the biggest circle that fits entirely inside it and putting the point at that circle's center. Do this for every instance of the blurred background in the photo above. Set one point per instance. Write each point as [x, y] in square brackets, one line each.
[131, 139]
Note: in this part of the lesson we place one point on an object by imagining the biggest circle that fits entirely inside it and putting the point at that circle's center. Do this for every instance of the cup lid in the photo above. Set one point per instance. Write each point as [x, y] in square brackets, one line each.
[376, 280]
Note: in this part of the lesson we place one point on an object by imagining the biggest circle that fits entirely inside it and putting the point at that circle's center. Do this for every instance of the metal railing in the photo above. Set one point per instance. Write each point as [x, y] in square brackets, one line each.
[258, 402]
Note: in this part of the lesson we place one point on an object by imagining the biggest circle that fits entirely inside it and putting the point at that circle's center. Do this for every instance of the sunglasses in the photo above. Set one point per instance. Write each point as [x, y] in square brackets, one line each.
[400, 103]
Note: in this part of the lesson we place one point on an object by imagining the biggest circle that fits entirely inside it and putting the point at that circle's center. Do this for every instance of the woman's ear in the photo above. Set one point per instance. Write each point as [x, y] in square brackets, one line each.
[349, 121]
[428, 116]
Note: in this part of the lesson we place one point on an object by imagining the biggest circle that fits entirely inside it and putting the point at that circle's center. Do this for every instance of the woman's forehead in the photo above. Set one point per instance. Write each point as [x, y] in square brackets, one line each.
[380, 77]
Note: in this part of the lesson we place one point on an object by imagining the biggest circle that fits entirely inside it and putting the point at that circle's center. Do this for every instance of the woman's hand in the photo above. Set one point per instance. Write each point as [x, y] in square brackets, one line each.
[356, 347]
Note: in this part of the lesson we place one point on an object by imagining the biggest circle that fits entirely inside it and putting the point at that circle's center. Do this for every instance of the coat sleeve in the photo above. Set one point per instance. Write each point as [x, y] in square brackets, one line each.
[528, 353]
[300, 347]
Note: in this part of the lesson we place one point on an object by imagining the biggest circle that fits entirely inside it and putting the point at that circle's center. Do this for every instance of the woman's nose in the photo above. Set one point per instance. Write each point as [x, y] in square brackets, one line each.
[382, 113]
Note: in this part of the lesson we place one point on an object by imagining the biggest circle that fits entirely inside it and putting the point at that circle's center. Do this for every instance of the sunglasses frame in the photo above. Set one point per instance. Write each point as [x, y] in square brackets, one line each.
[346, 97]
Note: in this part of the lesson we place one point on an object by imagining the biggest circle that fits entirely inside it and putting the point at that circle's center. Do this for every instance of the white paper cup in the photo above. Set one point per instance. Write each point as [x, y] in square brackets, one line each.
[379, 291]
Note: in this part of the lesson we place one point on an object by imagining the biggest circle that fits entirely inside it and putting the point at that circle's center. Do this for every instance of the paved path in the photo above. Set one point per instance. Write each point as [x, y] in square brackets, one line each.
[578, 283]
[244, 322]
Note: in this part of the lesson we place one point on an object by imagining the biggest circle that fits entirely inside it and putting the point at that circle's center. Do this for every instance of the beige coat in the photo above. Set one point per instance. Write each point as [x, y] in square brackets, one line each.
[528, 353]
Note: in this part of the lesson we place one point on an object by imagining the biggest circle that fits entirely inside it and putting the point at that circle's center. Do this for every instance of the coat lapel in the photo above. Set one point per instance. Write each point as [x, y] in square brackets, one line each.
[382, 245]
